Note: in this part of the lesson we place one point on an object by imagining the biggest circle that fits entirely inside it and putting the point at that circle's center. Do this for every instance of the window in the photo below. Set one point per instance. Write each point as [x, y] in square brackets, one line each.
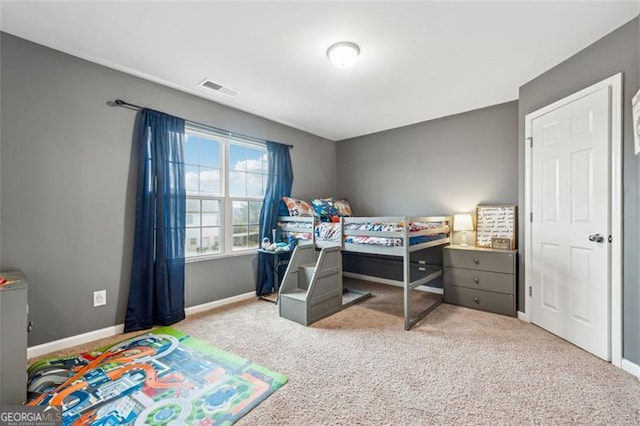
[225, 180]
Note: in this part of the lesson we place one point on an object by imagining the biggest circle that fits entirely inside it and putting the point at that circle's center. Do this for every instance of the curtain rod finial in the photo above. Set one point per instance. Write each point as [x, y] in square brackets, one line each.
[117, 102]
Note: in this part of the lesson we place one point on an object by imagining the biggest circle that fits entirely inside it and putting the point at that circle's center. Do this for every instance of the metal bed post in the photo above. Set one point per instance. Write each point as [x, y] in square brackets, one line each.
[406, 265]
[409, 285]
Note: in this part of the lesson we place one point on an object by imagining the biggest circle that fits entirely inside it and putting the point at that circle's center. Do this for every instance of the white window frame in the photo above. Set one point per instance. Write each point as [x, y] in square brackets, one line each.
[226, 201]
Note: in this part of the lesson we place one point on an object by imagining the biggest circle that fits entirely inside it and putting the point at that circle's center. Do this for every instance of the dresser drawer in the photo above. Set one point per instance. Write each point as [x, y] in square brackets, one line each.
[479, 280]
[499, 303]
[494, 261]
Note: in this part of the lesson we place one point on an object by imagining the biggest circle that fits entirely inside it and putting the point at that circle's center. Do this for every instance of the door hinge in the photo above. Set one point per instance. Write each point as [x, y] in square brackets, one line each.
[610, 238]
[530, 291]
[530, 216]
[530, 142]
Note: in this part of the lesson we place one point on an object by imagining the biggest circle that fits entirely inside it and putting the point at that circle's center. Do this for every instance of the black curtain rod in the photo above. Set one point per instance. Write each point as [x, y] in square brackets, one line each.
[121, 103]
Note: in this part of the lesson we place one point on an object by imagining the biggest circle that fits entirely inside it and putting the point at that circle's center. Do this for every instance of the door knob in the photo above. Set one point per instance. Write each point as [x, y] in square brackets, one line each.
[596, 237]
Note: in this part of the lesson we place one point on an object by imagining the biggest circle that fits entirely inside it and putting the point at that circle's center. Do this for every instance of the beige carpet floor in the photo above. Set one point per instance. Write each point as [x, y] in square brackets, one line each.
[458, 366]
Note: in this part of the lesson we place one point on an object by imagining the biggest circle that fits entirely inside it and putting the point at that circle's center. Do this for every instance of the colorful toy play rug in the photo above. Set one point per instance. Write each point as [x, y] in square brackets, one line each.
[163, 377]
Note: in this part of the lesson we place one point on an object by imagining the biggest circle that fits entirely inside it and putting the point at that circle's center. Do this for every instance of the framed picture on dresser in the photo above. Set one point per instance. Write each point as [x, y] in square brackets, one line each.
[496, 222]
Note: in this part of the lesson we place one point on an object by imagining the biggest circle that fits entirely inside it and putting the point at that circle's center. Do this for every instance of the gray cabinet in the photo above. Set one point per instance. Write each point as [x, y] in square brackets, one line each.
[13, 339]
[481, 278]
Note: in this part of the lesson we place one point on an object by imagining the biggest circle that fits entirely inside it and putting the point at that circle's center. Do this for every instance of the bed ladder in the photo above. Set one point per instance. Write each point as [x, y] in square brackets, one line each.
[312, 285]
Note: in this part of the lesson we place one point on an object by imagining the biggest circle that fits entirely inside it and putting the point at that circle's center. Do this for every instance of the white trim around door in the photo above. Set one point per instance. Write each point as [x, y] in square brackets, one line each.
[615, 83]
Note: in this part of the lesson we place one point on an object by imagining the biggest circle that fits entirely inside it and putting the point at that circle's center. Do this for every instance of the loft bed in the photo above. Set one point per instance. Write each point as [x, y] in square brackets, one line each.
[401, 240]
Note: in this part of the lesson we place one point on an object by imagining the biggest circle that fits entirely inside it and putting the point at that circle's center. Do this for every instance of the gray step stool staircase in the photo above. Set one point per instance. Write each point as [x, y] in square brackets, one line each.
[312, 285]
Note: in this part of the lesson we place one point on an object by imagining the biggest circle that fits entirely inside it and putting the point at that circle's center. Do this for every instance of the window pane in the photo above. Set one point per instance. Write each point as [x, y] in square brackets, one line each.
[237, 184]
[191, 179]
[192, 242]
[240, 238]
[237, 157]
[191, 148]
[254, 212]
[240, 212]
[254, 154]
[254, 185]
[210, 153]
[254, 160]
[209, 181]
[210, 213]
[217, 170]
[193, 212]
[211, 240]
[253, 236]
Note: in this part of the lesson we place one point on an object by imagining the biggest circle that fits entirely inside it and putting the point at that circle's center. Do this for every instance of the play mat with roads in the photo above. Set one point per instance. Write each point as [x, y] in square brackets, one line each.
[158, 378]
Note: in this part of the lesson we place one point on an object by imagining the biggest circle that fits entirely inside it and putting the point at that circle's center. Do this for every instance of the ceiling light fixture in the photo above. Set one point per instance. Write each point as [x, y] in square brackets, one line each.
[343, 54]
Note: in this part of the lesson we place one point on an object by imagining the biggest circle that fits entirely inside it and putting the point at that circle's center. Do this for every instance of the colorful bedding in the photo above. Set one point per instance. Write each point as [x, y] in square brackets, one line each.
[433, 227]
[297, 230]
[374, 241]
[391, 241]
[332, 232]
[328, 231]
[305, 236]
[288, 226]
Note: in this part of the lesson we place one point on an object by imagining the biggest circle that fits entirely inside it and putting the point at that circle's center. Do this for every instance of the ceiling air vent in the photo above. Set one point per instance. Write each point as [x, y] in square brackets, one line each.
[218, 88]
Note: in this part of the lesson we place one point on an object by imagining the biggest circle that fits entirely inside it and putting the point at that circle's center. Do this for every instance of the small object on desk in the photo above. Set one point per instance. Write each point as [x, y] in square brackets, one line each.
[292, 242]
[6, 281]
[277, 247]
[501, 243]
[281, 247]
[266, 243]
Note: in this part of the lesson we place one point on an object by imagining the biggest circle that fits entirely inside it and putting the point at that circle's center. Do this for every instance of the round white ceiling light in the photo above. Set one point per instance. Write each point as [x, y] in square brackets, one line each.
[343, 54]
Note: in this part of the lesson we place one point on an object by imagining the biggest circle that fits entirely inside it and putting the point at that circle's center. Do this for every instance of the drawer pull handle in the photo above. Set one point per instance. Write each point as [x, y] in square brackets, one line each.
[475, 299]
[422, 262]
[422, 269]
[476, 280]
[476, 260]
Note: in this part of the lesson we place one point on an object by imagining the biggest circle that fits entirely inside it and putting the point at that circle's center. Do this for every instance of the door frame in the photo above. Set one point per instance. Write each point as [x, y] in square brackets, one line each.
[615, 134]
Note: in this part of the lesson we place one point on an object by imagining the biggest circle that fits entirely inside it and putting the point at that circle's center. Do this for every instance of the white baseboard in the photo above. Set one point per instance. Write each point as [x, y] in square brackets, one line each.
[192, 310]
[522, 316]
[394, 283]
[630, 367]
[79, 339]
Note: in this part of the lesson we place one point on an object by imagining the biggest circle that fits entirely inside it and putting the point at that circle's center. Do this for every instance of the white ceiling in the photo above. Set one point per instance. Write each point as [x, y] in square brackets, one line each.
[419, 60]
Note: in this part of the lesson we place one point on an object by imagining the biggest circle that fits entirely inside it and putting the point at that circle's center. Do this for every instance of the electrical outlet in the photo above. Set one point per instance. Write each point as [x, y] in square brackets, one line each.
[99, 298]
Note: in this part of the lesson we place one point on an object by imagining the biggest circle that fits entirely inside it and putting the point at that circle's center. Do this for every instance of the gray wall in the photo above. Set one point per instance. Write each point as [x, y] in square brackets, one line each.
[617, 52]
[68, 184]
[438, 167]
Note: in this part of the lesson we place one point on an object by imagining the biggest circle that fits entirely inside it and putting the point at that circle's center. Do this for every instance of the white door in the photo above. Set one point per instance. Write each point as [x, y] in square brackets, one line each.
[571, 222]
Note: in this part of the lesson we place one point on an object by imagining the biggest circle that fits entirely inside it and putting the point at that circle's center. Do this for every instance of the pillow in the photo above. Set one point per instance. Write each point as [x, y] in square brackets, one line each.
[324, 208]
[298, 207]
[343, 207]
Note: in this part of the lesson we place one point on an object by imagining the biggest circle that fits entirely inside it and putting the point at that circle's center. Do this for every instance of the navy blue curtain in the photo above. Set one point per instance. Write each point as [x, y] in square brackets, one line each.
[156, 294]
[278, 186]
